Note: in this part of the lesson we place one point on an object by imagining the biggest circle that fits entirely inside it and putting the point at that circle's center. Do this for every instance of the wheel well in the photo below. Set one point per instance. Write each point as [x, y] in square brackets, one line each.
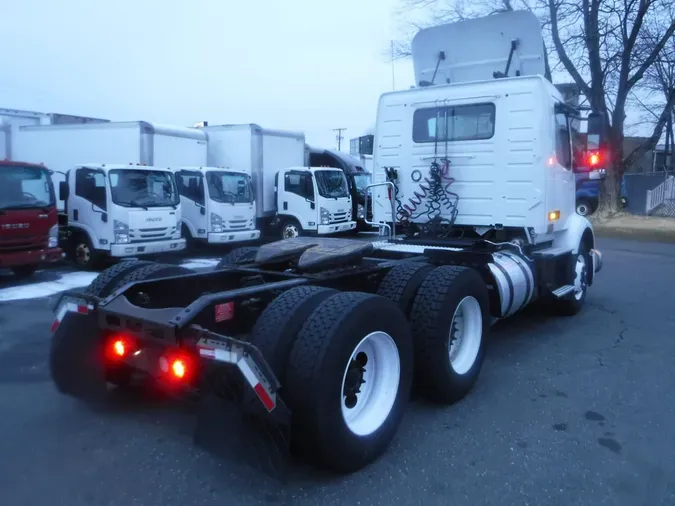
[588, 240]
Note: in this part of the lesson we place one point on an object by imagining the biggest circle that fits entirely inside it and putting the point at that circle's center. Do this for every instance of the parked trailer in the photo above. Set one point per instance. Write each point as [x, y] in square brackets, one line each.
[316, 334]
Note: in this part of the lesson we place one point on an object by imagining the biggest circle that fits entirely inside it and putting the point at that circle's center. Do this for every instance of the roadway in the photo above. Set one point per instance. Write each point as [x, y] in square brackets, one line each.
[567, 411]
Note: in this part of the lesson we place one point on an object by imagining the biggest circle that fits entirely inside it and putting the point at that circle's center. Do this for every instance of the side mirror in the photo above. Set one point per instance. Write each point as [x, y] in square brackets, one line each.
[597, 131]
[64, 190]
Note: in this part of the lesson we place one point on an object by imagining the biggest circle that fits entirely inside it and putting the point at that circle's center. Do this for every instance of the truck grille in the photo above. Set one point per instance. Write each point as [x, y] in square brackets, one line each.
[239, 225]
[339, 217]
[22, 243]
[151, 234]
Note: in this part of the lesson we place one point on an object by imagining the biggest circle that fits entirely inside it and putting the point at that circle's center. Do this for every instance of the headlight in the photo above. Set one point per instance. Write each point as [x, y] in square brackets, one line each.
[121, 232]
[216, 223]
[360, 212]
[325, 216]
[53, 237]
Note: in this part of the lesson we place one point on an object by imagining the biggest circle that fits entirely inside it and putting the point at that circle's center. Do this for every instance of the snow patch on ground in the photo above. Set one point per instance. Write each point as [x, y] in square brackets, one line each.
[47, 288]
[79, 279]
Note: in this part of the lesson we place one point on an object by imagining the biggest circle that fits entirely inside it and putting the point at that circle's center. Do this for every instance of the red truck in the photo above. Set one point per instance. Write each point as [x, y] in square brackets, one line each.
[29, 231]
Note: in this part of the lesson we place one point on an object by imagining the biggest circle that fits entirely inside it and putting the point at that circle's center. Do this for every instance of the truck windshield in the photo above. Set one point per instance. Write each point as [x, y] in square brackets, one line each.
[331, 183]
[229, 187]
[143, 188]
[362, 179]
[23, 187]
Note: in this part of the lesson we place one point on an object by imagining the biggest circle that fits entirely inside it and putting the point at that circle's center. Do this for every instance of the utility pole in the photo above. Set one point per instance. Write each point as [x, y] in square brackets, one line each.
[338, 136]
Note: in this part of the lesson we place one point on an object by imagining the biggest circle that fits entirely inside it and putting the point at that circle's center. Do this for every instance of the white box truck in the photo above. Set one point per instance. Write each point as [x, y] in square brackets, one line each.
[218, 205]
[94, 213]
[291, 198]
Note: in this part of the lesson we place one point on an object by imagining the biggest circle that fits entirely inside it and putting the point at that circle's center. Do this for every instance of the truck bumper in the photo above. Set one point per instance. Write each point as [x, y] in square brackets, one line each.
[238, 236]
[31, 257]
[146, 248]
[336, 228]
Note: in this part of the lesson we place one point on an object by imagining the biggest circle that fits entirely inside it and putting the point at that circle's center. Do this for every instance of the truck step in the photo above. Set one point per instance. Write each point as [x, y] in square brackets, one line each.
[409, 248]
[563, 290]
[551, 252]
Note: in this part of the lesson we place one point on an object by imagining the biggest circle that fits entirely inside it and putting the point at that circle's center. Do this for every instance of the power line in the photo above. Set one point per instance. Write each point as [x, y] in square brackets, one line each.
[338, 136]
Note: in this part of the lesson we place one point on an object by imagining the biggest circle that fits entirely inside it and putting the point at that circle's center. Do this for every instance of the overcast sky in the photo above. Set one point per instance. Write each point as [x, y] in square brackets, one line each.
[295, 64]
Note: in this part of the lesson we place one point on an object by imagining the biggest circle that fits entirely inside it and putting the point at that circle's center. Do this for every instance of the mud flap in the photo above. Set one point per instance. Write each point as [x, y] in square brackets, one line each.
[233, 425]
[76, 358]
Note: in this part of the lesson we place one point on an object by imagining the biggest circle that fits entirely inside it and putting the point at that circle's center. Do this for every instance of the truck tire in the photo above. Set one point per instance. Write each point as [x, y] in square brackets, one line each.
[572, 304]
[353, 343]
[83, 253]
[238, 256]
[279, 324]
[450, 321]
[104, 282]
[151, 271]
[24, 271]
[585, 207]
[290, 229]
[402, 282]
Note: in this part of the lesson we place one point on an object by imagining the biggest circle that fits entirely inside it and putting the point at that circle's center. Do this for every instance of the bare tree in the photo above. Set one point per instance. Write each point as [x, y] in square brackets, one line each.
[607, 47]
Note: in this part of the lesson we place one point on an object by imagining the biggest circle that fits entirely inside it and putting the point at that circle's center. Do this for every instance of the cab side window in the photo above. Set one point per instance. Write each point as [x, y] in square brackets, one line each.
[190, 185]
[562, 141]
[299, 183]
[90, 185]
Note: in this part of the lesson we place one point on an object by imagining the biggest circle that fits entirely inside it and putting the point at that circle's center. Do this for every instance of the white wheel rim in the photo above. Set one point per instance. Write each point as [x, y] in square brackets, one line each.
[582, 209]
[290, 231]
[82, 253]
[366, 411]
[466, 334]
[580, 277]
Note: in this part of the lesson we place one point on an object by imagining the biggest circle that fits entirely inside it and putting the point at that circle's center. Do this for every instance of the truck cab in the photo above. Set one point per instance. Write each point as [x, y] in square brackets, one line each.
[120, 211]
[358, 178]
[313, 200]
[218, 205]
[29, 229]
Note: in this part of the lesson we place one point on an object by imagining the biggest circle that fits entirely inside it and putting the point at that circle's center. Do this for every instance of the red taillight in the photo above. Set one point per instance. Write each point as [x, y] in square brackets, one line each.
[389, 193]
[593, 159]
[178, 368]
[119, 347]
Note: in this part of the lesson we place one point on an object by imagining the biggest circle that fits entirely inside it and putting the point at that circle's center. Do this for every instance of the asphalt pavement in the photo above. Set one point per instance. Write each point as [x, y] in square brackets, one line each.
[567, 411]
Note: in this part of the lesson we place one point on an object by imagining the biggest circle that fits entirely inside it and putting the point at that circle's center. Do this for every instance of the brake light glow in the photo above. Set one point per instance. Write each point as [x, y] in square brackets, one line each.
[119, 348]
[178, 368]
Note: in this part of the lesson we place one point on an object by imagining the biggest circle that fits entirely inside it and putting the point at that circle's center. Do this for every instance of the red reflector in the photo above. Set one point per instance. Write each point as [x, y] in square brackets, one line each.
[224, 311]
[82, 309]
[389, 192]
[264, 397]
[55, 325]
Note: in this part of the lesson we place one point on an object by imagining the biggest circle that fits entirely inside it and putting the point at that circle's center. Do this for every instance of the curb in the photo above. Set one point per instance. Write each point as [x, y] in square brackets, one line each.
[638, 234]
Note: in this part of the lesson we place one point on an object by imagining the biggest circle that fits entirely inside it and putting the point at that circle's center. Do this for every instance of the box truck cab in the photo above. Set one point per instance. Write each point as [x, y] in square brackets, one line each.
[357, 179]
[218, 205]
[120, 211]
[313, 200]
[28, 218]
